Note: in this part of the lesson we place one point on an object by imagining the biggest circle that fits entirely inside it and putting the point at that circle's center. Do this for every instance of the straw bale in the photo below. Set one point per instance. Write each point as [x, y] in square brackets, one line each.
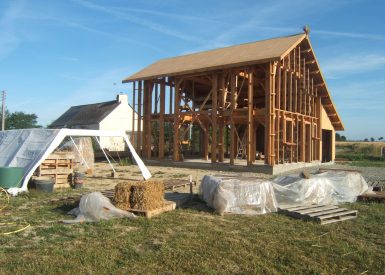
[144, 195]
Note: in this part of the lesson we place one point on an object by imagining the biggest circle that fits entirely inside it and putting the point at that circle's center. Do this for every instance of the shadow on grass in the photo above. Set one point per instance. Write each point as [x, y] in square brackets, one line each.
[197, 204]
[66, 207]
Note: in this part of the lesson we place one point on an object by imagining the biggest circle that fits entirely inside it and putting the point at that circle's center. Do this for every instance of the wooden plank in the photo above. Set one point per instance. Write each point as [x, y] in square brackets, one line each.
[315, 209]
[168, 206]
[139, 126]
[339, 214]
[340, 219]
[335, 210]
[56, 171]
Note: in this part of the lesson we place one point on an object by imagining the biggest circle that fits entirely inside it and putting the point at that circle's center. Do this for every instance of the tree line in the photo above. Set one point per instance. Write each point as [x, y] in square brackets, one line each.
[20, 120]
[343, 138]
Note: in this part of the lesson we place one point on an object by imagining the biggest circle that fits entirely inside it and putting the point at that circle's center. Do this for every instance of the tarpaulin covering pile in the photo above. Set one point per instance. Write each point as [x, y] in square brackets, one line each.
[238, 195]
[331, 187]
[255, 196]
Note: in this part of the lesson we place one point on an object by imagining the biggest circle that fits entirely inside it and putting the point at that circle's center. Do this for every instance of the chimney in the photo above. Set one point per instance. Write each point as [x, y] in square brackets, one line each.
[122, 98]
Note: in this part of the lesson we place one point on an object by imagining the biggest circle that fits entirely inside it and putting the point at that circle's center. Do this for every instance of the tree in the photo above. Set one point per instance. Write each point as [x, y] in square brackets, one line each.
[380, 138]
[340, 138]
[371, 139]
[366, 139]
[20, 120]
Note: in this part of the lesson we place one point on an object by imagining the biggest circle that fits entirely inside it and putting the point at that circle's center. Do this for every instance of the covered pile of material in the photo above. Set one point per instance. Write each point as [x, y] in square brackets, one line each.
[143, 195]
[254, 196]
[94, 207]
[238, 195]
[332, 187]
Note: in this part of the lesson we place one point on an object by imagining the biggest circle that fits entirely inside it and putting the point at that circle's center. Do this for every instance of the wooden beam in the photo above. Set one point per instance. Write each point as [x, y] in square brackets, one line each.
[139, 127]
[232, 126]
[221, 138]
[161, 119]
[176, 141]
[214, 115]
[133, 113]
[149, 94]
[250, 107]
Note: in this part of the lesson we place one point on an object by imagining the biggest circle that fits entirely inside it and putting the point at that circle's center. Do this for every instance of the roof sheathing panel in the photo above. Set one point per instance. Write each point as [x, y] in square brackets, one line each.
[243, 54]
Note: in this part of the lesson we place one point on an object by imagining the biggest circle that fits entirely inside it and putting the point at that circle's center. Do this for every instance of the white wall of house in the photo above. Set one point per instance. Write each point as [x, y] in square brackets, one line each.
[119, 119]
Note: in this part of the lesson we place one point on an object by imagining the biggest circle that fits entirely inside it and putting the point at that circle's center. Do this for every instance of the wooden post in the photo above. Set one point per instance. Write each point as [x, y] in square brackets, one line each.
[221, 138]
[214, 114]
[319, 126]
[156, 98]
[133, 114]
[232, 126]
[278, 104]
[206, 144]
[139, 127]
[270, 115]
[170, 98]
[149, 88]
[161, 119]
[303, 140]
[176, 120]
[250, 122]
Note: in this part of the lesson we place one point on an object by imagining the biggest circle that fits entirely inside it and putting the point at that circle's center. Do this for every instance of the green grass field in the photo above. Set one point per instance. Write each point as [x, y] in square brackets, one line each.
[365, 154]
[189, 240]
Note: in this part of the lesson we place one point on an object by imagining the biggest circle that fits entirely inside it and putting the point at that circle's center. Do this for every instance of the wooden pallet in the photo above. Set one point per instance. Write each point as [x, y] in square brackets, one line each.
[323, 214]
[60, 167]
[372, 197]
[168, 206]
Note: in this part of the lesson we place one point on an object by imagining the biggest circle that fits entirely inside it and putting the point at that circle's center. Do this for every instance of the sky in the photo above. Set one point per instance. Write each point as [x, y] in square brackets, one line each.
[59, 53]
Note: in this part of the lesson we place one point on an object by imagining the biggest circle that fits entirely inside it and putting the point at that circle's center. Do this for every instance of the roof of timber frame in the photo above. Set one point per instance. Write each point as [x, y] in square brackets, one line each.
[236, 56]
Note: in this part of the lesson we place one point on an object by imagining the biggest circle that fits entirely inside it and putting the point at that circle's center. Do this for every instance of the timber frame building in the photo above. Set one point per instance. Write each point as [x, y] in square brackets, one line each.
[266, 98]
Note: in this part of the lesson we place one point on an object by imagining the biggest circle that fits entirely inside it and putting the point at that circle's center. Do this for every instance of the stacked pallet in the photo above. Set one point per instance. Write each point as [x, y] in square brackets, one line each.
[59, 166]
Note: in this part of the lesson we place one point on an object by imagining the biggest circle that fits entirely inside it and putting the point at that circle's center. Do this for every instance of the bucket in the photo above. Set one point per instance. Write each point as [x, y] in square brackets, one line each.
[78, 180]
[44, 184]
[11, 177]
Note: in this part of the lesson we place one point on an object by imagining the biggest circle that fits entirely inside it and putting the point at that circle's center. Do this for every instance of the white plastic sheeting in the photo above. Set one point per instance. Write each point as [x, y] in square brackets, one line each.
[18, 148]
[332, 187]
[249, 196]
[28, 148]
[253, 196]
[94, 207]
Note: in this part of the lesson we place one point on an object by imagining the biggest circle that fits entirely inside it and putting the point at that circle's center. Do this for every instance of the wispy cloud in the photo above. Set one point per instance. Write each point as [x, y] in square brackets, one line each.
[9, 40]
[117, 13]
[350, 34]
[352, 64]
[174, 16]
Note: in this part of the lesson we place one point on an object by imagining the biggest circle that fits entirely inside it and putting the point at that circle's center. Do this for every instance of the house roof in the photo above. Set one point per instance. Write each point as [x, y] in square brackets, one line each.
[243, 54]
[85, 114]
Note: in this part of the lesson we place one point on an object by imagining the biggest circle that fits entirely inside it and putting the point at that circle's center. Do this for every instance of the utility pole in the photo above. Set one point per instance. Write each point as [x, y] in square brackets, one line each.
[3, 93]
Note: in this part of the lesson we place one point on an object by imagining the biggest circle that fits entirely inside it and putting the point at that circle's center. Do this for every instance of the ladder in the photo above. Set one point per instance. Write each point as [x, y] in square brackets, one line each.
[241, 153]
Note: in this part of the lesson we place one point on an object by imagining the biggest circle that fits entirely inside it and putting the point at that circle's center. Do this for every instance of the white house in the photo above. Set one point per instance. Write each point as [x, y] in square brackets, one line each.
[110, 115]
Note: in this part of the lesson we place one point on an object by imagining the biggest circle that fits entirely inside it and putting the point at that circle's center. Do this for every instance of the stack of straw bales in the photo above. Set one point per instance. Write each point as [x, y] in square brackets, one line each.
[143, 195]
